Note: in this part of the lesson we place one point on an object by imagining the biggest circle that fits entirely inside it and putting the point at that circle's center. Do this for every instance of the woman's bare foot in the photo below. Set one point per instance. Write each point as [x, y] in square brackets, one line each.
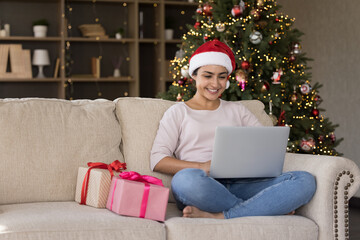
[193, 212]
[291, 213]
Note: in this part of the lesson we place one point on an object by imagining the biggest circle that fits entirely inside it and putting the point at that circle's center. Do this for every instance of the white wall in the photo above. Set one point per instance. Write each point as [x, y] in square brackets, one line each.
[332, 39]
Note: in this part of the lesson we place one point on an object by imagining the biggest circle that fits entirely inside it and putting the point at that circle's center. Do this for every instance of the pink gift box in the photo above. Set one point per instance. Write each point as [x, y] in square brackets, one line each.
[137, 199]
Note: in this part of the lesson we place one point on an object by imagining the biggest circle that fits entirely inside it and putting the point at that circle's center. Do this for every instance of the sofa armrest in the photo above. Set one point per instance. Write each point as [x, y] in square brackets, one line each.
[337, 180]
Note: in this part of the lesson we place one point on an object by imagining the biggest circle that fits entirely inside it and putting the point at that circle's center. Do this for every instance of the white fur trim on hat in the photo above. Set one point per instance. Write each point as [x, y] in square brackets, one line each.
[210, 58]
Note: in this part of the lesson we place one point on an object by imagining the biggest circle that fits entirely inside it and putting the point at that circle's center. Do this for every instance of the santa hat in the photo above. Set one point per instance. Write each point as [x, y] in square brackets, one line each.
[212, 53]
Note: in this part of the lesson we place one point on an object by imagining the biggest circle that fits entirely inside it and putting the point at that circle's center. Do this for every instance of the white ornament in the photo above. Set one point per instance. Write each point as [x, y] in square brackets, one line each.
[242, 5]
[180, 54]
[227, 84]
[255, 37]
[305, 88]
[185, 71]
[220, 27]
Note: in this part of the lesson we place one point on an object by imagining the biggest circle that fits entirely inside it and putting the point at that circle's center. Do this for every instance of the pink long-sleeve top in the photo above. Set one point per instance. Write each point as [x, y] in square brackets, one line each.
[188, 134]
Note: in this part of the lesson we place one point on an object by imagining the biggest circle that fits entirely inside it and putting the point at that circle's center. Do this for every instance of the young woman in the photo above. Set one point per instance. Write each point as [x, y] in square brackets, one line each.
[183, 148]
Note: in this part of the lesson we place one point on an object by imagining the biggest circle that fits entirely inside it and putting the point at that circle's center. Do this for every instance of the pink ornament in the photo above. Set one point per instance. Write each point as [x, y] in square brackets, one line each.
[240, 76]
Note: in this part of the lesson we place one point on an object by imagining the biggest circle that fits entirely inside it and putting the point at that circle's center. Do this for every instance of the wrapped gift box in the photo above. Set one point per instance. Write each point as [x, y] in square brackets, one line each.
[98, 188]
[129, 198]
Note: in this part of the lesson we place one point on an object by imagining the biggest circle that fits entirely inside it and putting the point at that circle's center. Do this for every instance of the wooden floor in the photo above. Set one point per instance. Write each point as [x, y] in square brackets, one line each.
[354, 223]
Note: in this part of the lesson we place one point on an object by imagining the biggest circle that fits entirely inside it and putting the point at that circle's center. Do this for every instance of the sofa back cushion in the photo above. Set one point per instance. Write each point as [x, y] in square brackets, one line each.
[44, 141]
[139, 119]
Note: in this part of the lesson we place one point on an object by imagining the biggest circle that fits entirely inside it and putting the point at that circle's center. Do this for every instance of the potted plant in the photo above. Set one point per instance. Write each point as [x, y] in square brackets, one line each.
[169, 28]
[40, 27]
[119, 33]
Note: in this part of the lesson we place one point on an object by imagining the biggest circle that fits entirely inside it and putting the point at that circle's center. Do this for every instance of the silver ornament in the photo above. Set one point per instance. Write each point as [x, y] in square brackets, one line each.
[256, 37]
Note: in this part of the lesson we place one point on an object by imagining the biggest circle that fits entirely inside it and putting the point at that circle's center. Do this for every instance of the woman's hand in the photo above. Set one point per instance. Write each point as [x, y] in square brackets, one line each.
[206, 167]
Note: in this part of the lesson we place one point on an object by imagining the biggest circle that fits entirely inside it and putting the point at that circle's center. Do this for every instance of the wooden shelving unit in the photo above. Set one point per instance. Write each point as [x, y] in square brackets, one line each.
[144, 70]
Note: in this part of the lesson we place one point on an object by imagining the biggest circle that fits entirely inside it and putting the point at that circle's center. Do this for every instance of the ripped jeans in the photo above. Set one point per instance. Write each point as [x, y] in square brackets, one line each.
[240, 197]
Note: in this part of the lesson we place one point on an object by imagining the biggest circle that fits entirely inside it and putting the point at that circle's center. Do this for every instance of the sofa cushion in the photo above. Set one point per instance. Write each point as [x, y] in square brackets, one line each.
[139, 119]
[245, 228]
[44, 141]
[69, 220]
[257, 108]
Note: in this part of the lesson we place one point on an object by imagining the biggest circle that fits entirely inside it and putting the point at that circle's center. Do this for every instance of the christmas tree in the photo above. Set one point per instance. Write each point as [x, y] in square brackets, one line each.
[271, 67]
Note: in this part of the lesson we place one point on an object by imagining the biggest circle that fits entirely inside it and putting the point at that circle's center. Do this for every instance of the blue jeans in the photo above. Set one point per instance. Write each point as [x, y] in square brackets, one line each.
[240, 197]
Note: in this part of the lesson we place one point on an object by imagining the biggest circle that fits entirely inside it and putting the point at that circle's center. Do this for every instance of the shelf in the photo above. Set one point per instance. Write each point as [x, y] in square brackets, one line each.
[83, 39]
[100, 1]
[181, 3]
[149, 40]
[149, 1]
[29, 38]
[30, 80]
[141, 68]
[173, 41]
[103, 79]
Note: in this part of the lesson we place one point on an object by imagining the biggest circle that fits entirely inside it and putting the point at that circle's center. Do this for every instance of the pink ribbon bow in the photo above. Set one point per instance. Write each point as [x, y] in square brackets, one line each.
[134, 176]
[147, 180]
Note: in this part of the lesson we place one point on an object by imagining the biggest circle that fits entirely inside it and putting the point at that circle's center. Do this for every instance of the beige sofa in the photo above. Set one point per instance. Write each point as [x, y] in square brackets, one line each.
[44, 141]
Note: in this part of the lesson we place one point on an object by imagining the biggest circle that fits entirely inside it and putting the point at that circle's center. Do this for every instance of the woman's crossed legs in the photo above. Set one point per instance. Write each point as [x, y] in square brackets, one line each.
[231, 198]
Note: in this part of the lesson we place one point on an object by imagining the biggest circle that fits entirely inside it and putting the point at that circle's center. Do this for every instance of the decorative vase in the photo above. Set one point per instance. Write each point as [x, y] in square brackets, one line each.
[118, 36]
[117, 72]
[40, 30]
[169, 34]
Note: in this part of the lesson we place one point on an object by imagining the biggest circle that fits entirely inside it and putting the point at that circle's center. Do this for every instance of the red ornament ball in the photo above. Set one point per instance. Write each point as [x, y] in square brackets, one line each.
[197, 25]
[236, 11]
[292, 58]
[318, 100]
[245, 65]
[315, 112]
[207, 9]
[332, 137]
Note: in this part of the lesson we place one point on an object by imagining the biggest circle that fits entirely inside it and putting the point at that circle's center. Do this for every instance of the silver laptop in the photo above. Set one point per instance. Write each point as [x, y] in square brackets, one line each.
[249, 152]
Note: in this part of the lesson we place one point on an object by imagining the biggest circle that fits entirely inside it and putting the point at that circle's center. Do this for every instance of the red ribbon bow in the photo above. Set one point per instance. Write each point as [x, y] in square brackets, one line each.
[117, 166]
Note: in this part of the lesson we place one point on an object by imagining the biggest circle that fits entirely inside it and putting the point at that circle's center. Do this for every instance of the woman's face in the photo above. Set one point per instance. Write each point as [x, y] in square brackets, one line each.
[211, 81]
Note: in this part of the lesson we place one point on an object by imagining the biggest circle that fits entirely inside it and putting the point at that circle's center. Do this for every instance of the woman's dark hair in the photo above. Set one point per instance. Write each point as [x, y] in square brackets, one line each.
[195, 71]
